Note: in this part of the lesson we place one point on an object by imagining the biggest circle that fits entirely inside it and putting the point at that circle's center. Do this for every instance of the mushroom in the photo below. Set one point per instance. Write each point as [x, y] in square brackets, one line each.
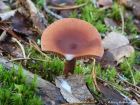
[72, 39]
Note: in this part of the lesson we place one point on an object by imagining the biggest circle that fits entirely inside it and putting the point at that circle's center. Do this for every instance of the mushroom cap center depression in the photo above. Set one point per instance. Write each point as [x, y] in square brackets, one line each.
[73, 42]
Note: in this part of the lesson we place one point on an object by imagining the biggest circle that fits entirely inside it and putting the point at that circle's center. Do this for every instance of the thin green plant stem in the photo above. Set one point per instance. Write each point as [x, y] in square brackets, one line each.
[134, 82]
[122, 18]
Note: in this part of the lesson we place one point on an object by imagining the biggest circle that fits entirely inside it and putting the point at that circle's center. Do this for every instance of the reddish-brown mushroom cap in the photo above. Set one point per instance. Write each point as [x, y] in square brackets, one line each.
[70, 36]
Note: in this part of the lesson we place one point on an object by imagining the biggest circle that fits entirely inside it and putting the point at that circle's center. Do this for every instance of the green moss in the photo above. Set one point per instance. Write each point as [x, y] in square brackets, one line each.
[130, 27]
[115, 12]
[81, 1]
[15, 91]
[39, 3]
[93, 15]
[128, 71]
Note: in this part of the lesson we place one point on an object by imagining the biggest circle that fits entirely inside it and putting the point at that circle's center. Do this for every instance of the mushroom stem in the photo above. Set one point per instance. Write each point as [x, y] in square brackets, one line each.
[69, 66]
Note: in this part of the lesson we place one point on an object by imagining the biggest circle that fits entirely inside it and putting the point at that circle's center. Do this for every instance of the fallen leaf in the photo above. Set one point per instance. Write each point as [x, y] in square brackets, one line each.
[114, 40]
[74, 89]
[120, 53]
[21, 24]
[117, 48]
[11, 48]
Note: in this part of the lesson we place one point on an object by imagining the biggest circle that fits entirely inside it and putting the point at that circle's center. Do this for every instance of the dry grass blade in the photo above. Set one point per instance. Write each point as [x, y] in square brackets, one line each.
[21, 46]
[67, 7]
[94, 76]
[33, 44]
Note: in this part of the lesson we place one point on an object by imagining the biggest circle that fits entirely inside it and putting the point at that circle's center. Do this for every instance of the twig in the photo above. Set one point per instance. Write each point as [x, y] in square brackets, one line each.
[22, 48]
[135, 86]
[33, 44]
[17, 59]
[109, 83]
[122, 19]
[82, 103]
[135, 91]
[51, 12]
[128, 100]
[67, 7]
[11, 32]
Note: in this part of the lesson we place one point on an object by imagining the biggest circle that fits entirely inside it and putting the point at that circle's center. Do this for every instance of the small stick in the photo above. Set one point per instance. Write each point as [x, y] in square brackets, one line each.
[11, 32]
[21, 46]
[17, 59]
[82, 103]
[67, 7]
[129, 83]
[51, 12]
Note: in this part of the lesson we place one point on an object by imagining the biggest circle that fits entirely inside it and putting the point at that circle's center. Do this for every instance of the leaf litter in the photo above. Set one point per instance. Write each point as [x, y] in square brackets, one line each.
[29, 25]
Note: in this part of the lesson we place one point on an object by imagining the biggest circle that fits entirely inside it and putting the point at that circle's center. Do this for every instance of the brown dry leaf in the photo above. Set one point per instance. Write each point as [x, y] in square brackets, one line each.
[21, 24]
[121, 52]
[117, 47]
[74, 89]
[11, 48]
[37, 17]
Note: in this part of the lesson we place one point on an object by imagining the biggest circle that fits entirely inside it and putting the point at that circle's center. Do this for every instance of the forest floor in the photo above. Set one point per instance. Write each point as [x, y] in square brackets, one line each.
[22, 23]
